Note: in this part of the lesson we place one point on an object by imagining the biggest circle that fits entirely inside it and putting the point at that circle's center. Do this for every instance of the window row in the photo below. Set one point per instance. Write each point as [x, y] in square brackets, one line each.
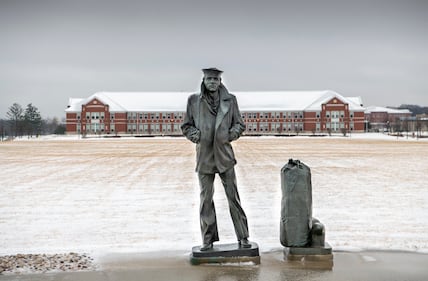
[155, 115]
[93, 115]
[250, 127]
[245, 115]
[91, 128]
[265, 115]
[338, 126]
[153, 128]
[337, 114]
[274, 127]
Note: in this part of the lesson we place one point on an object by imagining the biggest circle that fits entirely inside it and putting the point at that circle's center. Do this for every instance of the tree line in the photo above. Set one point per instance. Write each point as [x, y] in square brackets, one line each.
[415, 109]
[28, 121]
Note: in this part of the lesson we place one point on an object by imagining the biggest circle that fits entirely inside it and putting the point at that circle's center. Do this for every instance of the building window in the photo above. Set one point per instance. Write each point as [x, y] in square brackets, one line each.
[95, 115]
[275, 127]
[335, 126]
[264, 127]
[132, 127]
[251, 127]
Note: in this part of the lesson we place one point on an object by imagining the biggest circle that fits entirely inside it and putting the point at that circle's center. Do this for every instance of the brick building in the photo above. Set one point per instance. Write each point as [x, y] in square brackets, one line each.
[265, 113]
[384, 118]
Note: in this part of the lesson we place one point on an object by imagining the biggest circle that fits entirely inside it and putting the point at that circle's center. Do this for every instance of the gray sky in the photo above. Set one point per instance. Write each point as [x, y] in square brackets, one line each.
[53, 50]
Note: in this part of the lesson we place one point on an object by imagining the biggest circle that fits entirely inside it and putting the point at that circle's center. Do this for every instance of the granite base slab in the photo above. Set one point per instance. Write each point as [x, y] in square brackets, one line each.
[226, 253]
[311, 257]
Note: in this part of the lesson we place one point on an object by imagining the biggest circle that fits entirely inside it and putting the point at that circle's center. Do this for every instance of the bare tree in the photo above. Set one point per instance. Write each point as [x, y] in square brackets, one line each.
[51, 126]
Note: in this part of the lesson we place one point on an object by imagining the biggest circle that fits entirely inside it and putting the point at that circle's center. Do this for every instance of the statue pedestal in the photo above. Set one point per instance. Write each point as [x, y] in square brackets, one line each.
[226, 253]
[311, 257]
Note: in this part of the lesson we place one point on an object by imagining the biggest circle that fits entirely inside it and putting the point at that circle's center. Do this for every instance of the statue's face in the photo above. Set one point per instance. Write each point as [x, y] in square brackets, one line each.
[212, 82]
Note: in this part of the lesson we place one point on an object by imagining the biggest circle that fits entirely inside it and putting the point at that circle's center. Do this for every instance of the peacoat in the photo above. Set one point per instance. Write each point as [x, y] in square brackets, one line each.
[213, 134]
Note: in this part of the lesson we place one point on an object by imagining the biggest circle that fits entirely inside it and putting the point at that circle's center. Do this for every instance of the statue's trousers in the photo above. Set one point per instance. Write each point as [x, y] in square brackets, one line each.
[207, 210]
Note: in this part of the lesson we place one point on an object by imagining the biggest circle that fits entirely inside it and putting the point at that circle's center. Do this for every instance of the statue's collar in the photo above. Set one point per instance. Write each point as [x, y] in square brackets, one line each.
[222, 92]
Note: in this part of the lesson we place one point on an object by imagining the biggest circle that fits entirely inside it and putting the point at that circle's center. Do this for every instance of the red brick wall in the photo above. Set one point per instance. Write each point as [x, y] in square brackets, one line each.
[358, 121]
[70, 123]
[310, 121]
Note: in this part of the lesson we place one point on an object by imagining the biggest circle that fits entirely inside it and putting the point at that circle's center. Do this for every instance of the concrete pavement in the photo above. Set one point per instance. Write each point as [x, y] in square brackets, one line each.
[366, 265]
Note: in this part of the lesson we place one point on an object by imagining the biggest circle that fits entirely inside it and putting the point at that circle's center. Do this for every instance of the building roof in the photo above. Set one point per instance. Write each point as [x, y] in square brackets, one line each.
[371, 109]
[248, 101]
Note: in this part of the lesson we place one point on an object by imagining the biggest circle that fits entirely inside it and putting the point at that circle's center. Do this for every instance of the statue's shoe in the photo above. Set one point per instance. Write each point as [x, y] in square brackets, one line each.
[244, 243]
[206, 247]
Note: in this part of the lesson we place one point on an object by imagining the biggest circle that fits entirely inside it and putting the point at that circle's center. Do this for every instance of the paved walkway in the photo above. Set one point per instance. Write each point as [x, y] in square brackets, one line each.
[367, 265]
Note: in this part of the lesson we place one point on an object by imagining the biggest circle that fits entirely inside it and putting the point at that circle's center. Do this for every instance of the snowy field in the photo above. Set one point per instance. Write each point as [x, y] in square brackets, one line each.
[141, 194]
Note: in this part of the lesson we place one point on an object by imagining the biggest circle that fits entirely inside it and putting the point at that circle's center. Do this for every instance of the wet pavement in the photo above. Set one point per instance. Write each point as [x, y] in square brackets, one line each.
[366, 265]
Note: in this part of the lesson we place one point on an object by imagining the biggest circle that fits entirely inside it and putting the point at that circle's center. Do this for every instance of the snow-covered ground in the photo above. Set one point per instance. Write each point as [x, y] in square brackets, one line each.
[141, 194]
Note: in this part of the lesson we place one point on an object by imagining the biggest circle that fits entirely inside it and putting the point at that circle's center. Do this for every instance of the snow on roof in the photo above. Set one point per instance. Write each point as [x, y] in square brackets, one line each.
[136, 101]
[248, 101]
[356, 100]
[328, 95]
[371, 109]
[74, 104]
[276, 101]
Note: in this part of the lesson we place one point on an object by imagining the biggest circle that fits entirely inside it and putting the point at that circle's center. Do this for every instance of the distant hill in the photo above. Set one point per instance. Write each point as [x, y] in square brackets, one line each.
[415, 109]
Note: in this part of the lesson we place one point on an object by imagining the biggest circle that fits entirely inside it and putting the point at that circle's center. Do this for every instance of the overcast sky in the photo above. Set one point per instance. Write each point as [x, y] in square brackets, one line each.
[53, 50]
